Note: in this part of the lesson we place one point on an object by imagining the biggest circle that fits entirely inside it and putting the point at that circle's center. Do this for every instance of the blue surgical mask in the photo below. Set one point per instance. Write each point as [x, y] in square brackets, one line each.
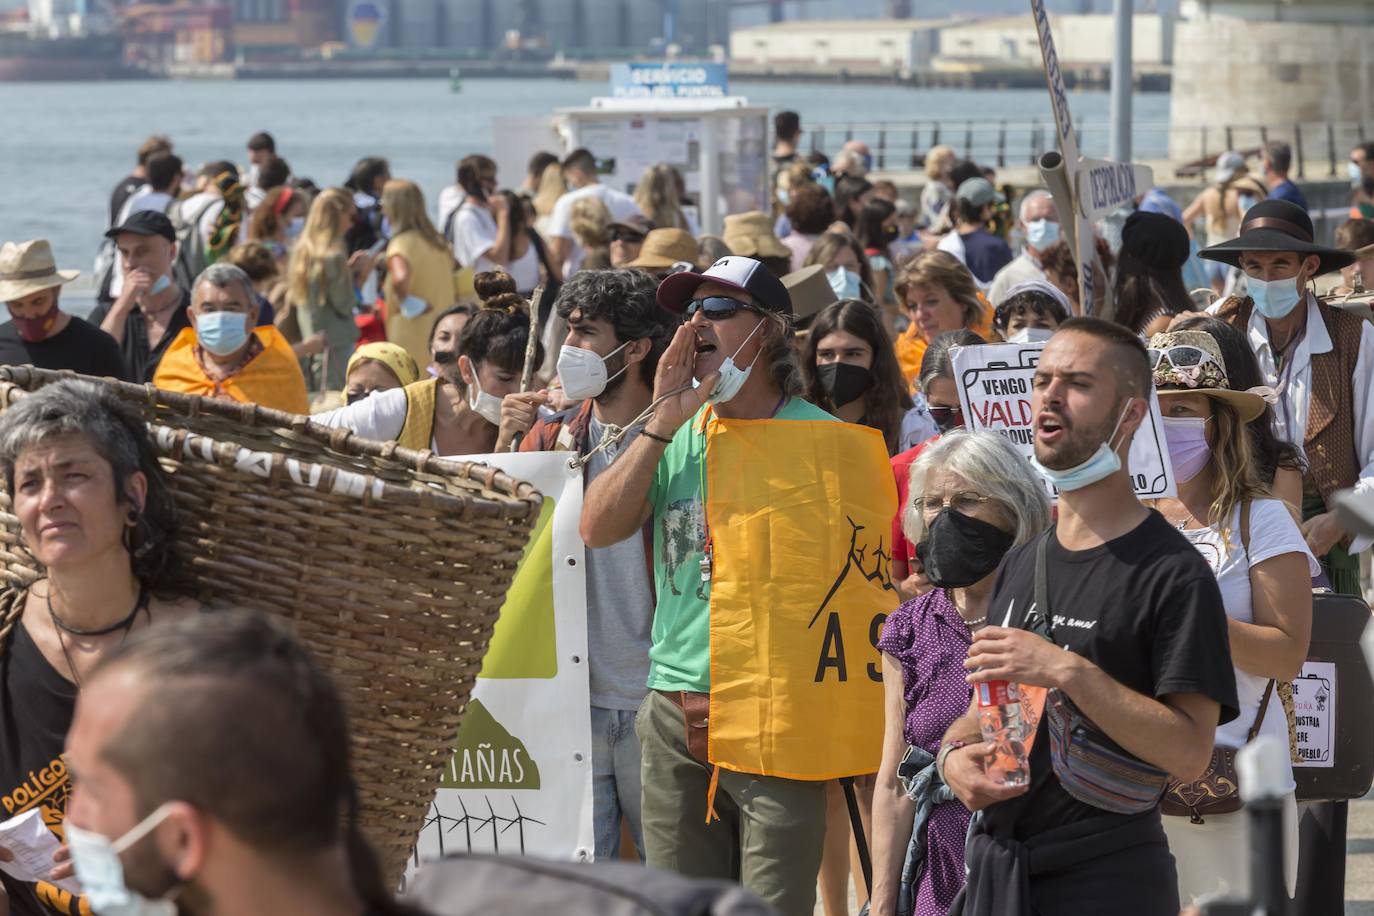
[1354, 172]
[161, 283]
[1042, 233]
[101, 873]
[413, 306]
[295, 227]
[845, 283]
[1273, 298]
[732, 377]
[784, 196]
[1102, 464]
[222, 333]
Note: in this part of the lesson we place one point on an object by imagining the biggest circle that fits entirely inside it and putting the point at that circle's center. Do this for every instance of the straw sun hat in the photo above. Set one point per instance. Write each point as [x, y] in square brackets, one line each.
[27, 267]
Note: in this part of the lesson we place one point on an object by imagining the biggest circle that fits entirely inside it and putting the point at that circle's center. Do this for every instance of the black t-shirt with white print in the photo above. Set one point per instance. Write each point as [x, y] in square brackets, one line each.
[1146, 609]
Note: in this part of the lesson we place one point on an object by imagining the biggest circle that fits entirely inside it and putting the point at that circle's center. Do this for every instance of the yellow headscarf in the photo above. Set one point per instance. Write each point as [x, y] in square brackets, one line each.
[390, 355]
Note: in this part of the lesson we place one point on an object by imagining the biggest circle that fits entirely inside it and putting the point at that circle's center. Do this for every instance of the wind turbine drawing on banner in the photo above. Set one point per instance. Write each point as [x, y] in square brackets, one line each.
[1084, 190]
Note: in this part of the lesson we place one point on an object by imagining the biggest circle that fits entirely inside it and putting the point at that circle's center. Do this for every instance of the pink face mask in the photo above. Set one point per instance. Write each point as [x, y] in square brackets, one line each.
[1188, 448]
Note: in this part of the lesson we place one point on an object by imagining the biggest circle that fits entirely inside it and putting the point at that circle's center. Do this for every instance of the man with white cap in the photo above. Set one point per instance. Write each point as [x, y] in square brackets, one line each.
[39, 332]
[733, 358]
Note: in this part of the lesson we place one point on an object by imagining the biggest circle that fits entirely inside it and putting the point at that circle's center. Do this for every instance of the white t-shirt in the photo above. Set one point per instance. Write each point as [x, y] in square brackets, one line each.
[621, 205]
[1273, 533]
[145, 198]
[450, 199]
[380, 416]
[474, 233]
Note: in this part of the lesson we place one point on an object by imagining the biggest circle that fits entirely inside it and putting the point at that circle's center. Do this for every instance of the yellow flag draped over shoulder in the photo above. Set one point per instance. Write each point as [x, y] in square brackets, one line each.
[799, 514]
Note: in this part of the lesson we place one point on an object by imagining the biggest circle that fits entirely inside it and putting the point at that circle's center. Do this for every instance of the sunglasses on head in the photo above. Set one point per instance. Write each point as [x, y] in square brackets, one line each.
[717, 308]
[626, 235]
[1182, 356]
[947, 418]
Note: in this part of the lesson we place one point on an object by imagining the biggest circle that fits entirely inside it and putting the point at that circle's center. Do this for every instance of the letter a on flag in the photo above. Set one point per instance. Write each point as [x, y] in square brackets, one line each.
[799, 514]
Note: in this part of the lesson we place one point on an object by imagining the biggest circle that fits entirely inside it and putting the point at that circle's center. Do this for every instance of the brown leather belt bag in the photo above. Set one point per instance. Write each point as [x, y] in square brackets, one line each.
[696, 711]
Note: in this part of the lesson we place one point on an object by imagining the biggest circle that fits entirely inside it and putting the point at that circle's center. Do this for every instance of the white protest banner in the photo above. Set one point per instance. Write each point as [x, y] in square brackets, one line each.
[520, 778]
[1314, 714]
[994, 382]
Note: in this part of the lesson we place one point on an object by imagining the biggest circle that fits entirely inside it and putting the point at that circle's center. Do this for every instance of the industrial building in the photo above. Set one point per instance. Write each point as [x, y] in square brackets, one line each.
[1080, 40]
[900, 45]
[575, 28]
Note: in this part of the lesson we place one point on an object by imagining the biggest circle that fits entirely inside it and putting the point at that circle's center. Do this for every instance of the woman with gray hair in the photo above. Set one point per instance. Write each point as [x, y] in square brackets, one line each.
[96, 514]
[973, 498]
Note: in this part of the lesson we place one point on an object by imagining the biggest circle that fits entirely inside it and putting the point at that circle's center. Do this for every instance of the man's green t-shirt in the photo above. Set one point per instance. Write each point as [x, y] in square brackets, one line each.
[680, 654]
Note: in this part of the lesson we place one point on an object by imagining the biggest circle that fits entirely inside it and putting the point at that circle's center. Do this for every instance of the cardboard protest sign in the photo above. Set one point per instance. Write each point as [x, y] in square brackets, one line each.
[1084, 190]
[994, 383]
[520, 778]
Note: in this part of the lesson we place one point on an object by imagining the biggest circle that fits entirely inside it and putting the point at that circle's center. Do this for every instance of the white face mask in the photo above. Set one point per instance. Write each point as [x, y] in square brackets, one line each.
[583, 373]
[488, 406]
[1030, 335]
[732, 377]
[101, 873]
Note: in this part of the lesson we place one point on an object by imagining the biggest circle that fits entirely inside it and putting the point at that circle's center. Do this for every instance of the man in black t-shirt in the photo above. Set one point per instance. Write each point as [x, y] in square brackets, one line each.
[150, 310]
[40, 333]
[1147, 661]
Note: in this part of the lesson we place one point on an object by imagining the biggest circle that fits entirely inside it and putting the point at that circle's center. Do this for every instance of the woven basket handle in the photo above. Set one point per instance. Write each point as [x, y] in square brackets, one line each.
[12, 602]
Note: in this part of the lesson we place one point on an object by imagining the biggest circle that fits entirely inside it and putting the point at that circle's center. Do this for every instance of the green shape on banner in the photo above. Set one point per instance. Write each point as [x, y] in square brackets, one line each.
[487, 756]
[523, 643]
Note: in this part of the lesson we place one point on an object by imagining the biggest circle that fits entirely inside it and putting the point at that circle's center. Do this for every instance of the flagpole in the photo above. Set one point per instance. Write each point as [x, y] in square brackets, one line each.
[1122, 82]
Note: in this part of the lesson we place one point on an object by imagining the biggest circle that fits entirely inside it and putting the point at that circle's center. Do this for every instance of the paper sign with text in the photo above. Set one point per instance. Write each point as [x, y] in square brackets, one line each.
[994, 382]
[1314, 714]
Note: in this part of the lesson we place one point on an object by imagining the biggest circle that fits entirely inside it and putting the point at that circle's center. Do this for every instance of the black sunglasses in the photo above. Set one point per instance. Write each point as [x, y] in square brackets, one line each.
[626, 235]
[947, 418]
[717, 308]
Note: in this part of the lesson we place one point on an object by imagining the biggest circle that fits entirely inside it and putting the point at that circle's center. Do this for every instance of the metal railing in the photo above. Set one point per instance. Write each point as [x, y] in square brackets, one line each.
[1320, 148]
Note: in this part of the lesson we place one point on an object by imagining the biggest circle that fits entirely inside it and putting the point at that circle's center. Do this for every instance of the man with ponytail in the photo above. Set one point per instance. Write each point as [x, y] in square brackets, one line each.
[185, 804]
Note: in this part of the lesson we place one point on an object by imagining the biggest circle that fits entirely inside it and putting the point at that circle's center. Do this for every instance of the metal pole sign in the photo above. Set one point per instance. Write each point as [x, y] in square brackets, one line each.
[1086, 189]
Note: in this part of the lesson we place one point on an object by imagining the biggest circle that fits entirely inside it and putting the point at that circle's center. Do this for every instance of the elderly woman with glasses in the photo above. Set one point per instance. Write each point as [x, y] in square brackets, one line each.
[973, 497]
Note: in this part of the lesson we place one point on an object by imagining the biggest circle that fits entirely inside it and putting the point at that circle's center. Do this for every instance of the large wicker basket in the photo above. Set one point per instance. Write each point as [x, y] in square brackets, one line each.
[391, 564]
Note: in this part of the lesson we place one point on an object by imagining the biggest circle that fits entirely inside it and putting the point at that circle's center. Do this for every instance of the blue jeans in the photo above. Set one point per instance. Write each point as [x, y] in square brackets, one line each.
[615, 780]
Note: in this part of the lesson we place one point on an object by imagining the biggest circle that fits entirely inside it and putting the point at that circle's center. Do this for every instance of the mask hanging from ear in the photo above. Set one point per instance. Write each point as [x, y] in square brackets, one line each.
[1100, 465]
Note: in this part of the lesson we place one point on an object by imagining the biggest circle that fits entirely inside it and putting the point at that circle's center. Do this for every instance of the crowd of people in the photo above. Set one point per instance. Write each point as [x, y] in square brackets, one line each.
[1185, 618]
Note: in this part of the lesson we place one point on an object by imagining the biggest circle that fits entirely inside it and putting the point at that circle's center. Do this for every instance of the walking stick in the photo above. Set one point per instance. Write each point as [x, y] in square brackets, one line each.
[856, 822]
[531, 343]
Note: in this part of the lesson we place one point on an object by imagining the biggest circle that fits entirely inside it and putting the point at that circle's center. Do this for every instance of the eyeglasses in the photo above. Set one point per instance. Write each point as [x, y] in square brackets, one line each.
[947, 418]
[965, 503]
[717, 308]
[1183, 356]
[626, 235]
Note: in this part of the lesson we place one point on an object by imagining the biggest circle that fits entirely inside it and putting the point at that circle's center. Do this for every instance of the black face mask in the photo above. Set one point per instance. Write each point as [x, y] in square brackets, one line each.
[445, 357]
[843, 383]
[960, 550]
[356, 396]
[890, 234]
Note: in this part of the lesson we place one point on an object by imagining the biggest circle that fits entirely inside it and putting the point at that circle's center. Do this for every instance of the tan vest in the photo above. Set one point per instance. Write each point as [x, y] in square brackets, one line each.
[1330, 436]
[418, 431]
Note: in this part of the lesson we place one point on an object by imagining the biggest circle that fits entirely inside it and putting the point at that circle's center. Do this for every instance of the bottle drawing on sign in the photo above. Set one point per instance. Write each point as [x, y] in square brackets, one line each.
[999, 716]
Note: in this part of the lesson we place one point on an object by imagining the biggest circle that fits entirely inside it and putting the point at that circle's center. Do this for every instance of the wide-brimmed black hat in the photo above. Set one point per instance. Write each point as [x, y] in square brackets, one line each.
[1277, 225]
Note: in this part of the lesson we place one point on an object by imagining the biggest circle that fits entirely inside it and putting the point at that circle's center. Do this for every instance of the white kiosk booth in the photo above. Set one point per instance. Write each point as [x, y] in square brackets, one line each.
[718, 142]
[720, 146]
